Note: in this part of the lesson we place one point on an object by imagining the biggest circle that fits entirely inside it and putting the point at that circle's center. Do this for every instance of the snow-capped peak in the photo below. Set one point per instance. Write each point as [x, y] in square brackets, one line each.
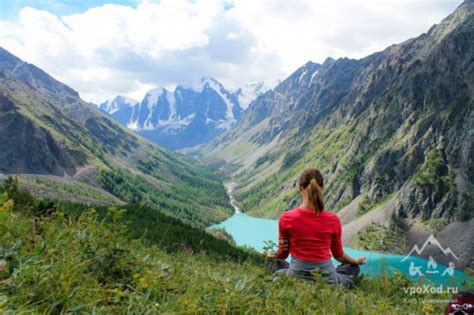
[226, 97]
[205, 81]
[152, 96]
[250, 91]
[118, 103]
[207, 106]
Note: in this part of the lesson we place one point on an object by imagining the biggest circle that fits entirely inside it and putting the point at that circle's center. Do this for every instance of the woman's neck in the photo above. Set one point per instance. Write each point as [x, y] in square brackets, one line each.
[306, 205]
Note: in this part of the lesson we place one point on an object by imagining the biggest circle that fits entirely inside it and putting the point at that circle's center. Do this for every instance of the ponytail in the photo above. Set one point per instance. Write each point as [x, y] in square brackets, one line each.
[312, 180]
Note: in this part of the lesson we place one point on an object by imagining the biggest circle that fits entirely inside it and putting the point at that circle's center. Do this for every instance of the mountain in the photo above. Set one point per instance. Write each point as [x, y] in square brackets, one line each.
[120, 108]
[391, 132]
[187, 116]
[181, 118]
[249, 92]
[66, 148]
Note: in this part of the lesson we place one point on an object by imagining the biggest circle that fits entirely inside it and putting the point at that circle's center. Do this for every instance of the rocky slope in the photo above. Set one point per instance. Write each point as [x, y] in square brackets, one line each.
[46, 129]
[392, 133]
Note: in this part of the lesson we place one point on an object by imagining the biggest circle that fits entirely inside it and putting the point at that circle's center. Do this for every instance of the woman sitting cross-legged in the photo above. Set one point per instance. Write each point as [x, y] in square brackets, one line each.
[310, 234]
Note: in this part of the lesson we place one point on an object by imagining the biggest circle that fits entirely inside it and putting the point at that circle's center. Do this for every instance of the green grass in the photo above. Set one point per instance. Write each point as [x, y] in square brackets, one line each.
[73, 187]
[273, 208]
[381, 238]
[367, 205]
[222, 234]
[436, 224]
[67, 262]
[240, 148]
[428, 175]
[324, 148]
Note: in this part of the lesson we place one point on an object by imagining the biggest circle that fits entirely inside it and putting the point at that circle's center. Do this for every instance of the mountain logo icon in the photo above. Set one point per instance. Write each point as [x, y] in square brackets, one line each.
[431, 240]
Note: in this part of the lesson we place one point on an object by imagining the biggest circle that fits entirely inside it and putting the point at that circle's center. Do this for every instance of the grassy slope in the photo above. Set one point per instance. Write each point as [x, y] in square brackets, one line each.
[325, 150]
[66, 262]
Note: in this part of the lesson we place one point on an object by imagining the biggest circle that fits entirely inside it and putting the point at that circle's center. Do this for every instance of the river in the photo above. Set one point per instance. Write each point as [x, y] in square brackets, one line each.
[253, 232]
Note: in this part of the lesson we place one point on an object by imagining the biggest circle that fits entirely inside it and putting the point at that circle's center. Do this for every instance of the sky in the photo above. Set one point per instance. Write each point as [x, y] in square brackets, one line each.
[127, 47]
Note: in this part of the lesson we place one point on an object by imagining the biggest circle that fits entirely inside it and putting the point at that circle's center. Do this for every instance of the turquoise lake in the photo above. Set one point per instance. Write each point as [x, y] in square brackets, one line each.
[250, 231]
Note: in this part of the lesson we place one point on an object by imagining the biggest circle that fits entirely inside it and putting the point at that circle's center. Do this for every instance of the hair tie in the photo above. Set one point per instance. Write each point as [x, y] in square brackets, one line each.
[313, 181]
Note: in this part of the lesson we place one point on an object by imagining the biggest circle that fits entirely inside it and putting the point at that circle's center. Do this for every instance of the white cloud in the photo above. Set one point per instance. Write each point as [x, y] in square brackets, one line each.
[115, 49]
[304, 30]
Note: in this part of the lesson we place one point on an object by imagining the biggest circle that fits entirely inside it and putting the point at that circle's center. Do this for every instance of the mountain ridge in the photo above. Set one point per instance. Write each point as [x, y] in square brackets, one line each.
[186, 116]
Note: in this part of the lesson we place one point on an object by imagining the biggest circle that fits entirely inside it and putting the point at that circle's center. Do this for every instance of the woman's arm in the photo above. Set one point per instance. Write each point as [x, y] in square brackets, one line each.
[338, 251]
[346, 259]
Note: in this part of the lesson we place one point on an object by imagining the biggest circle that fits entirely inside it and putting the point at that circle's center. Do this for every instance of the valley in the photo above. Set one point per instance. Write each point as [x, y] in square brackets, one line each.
[391, 133]
[164, 204]
[63, 147]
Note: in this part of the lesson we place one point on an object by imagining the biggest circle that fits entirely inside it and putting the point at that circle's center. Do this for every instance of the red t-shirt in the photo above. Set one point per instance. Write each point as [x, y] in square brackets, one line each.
[310, 236]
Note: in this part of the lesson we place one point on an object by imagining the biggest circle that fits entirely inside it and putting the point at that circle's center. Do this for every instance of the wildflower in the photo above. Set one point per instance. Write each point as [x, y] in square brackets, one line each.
[143, 283]
[8, 205]
[428, 308]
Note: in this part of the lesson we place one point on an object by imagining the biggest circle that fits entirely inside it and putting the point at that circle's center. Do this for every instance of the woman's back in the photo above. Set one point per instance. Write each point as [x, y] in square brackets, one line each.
[311, 236]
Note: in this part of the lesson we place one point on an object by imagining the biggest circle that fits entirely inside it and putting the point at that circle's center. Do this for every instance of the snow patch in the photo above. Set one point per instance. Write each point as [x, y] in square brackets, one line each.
[172, 104]
[312, 77]
[172, 123]
[118, 103]
[152, 97]
[217, 87]
[249, 92]
[302, 76]
[133, 125]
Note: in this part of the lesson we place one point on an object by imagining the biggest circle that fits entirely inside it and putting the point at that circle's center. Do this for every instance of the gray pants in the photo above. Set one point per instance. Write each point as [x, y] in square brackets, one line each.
[344, 274]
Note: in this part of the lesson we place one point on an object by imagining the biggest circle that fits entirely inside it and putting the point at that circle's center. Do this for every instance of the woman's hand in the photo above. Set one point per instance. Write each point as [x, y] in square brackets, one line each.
[282, 247]
[269, 255]
[346, 259]
[360, 261]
